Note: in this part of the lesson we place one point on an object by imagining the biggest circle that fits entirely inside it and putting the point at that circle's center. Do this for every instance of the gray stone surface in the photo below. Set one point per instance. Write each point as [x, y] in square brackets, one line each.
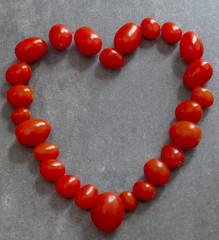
[107, 123]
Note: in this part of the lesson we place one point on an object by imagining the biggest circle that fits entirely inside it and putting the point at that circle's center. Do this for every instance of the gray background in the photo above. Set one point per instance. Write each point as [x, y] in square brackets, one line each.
[107, 123]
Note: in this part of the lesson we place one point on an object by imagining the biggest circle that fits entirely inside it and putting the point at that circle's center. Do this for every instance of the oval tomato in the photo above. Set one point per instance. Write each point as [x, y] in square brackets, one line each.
[150, 28]
[20, 115]
[171, 32]
[129, 200]
[45, 151]
[144, 190]
[203, 96]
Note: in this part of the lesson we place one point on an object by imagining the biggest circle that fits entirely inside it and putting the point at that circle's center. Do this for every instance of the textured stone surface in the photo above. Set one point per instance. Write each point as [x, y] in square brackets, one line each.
[108, 123]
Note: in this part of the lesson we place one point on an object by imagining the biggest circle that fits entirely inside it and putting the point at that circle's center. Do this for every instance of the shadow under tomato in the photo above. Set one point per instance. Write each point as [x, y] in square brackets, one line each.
[105, 74]
[57, 202]
[165, 48]
[146, 43]
[183, 93]
[179, 66]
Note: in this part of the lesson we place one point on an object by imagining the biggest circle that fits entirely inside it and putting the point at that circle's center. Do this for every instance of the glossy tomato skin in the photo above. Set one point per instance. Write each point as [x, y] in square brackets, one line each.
[20, 115]
[20, 96]
[87, 41]
[185, 134]
[111, 58]
[191, 47]
[107, 212]
[129, 200]
[144, 190]
[171, 32]
[85, 196]
[127, 38]
[150, 28]
[52, 169]
[45, 151]
[32, 132]
[203, 96]
[30, 49]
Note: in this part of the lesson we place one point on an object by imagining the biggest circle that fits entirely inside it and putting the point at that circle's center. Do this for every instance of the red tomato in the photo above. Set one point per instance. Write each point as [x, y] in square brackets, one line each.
[197, 74]
[129, 200]
[144, 190]
[67, 186]
[60, 37]
[189, 111]
[30, 49]
[52, 169]
[150, 28]
[107, 212]
[156, 172]
[171, 32]
[18, 73]
[20, 115]
[20, 96]
[45, 151]
[172, 155]
[32, 132]
[111, 58]
[203, 96]
[185, 134]
[127, 38]
[191, 47]
[85, 196]
[87, 41]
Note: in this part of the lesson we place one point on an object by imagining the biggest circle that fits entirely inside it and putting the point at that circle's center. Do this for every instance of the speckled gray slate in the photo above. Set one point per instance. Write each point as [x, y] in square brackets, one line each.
[107, 123]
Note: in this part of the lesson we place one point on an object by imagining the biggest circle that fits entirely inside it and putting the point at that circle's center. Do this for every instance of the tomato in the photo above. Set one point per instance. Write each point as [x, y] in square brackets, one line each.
[189, 111]
[156, 172]
[30, 49]
[87, 41]
[52, 169]
[107, 212]
[185, 134]
[172, 155]
[45, 151]
[20, 115]
[144, 190]
[150, 28]
[171, 32]
[191, 47]
[85, 196]
[18, 73]
[32, 132]
[20, 96]
[197, 74]
[129, 200]
[60, 36]
[203, 96]
[127, 38]
[67, 186]
[111, 58]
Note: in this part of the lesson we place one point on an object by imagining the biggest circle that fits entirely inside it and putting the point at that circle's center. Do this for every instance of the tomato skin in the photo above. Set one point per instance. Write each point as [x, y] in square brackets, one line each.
[20, 96]
[127, 38]
[107, 212]
[150, 28]
[191, 47]
[20, 115]
[30, 49]
[144, 190]
[32, 132]
[185, 134]
[85, 196]
[203, 96]
[46, 150]
[129, 200]
[171, 32]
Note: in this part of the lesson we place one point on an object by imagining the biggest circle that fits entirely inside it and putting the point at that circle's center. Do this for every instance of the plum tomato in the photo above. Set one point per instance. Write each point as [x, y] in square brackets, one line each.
[20, 115]
[171, 32]
[203, 96]
[150, 28]
[129, 200]
[45, 151]
[144, 190]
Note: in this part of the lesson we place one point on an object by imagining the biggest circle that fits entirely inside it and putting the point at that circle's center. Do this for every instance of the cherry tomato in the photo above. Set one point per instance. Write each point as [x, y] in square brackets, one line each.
[127, 38]
[87, 41]
[150, 28]
[20, 115]
[156, 172]
[18, 73]
[32, 132]
[191, 47]
[85, 196]
[171, 32]
[185, 134]
[129, 200]
[107, 212]
[52, 169]
[67, 186]
[197, 74]
[45, 151]
[172, 155]
[189, 111]
[111, 58]
[203, 96]
[60, 36]
[20, 96]
[30, 49]
[144, 190]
